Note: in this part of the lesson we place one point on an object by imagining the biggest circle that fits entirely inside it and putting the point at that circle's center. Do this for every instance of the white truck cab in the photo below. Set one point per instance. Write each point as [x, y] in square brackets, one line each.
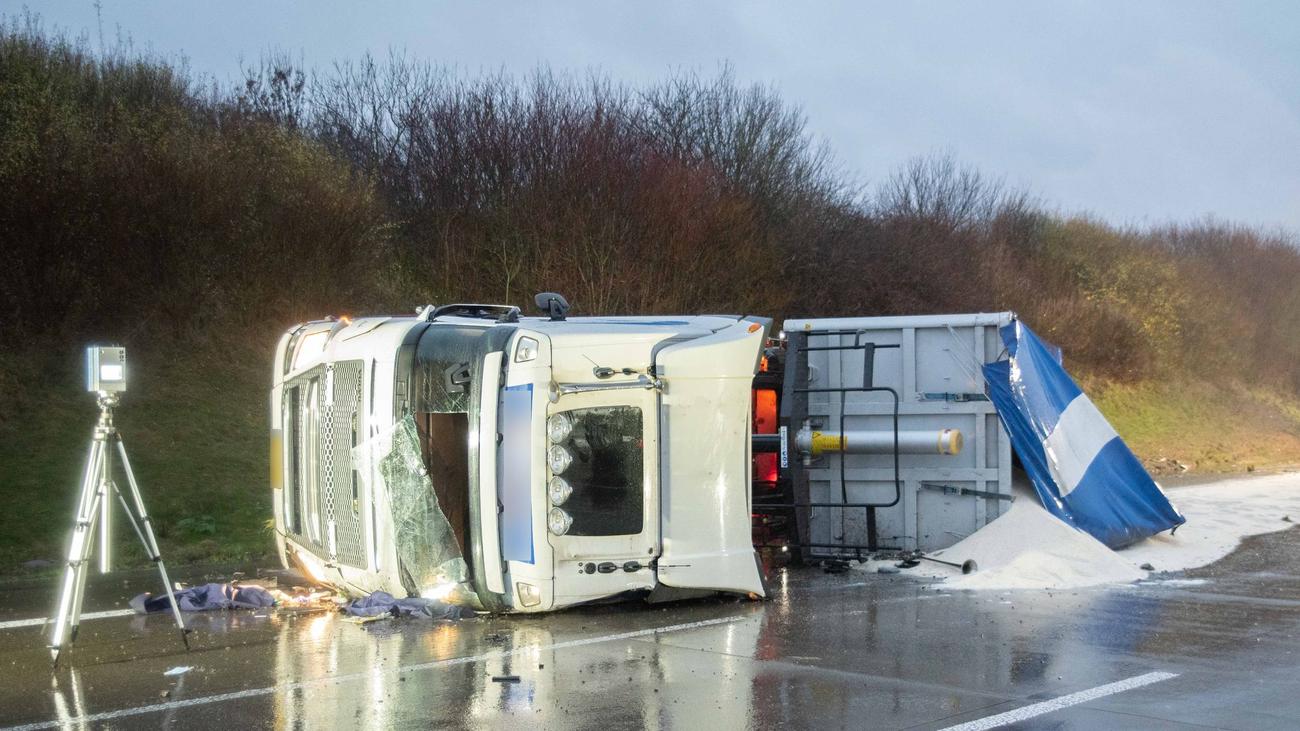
[517, 464]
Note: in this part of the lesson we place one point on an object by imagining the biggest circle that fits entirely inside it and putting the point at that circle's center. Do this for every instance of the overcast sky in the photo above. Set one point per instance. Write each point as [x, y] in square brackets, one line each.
[1138, 112]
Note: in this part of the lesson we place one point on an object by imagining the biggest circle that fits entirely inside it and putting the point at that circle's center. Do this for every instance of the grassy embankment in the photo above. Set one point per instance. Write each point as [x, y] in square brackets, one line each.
[1201, 427]
[195, 429]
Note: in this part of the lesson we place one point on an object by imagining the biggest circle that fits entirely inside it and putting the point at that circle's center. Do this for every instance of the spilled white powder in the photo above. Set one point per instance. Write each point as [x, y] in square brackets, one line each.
[1219, 514]
[1029, 548]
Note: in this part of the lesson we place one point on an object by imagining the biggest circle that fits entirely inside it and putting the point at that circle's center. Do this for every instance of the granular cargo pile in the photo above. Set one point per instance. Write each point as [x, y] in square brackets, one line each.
[1028, 548]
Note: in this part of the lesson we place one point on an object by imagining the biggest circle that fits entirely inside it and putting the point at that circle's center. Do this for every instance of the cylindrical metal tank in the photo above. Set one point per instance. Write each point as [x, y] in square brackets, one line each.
[940, 441]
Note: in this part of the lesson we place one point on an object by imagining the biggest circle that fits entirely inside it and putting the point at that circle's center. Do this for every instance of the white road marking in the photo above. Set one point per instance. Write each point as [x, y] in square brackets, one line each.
[340, 679]
[1065, 701]
[13, 623]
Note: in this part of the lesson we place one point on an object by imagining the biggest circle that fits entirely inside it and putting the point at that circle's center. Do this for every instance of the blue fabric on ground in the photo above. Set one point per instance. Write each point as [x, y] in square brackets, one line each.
[205, 598]
[381, 602]
[1081, 469]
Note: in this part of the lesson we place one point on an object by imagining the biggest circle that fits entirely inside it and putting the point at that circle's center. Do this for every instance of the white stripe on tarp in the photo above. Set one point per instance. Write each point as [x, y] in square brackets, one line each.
[11, 624]
[1079, 435]
[339, 679]
[1065, 701]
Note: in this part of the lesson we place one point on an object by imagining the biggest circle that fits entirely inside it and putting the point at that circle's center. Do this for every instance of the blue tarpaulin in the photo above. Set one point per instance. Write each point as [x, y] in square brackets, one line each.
[1081, 469]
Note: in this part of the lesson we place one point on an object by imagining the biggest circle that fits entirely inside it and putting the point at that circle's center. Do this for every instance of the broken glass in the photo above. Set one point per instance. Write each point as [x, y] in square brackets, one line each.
[429, 561]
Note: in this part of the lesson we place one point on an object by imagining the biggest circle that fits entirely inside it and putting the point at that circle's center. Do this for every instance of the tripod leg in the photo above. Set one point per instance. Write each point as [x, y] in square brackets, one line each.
[74, 575]
[130, 517]
[150, 541]
[105, 513]
[79, 593]
[91, 469]
[83, 562]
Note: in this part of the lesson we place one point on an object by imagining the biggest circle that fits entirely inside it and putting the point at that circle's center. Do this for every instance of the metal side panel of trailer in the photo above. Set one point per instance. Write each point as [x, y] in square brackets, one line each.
[933, 364]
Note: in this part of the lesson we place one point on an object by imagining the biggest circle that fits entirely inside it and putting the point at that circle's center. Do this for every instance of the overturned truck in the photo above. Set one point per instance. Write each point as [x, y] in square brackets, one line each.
[513, 463]
[526, 464]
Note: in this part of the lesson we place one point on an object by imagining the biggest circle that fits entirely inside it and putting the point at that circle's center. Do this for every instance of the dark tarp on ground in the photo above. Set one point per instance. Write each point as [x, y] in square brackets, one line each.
[381, 602]
[205, 598]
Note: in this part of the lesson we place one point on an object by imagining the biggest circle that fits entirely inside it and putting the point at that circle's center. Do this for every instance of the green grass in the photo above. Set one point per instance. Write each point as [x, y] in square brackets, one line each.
[1205, 427]
[195, 429]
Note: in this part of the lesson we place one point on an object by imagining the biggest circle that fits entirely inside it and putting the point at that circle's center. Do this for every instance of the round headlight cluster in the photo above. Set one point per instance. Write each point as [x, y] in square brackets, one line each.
[559, 459]
[558, 427]
[560, 490]
[558, 521]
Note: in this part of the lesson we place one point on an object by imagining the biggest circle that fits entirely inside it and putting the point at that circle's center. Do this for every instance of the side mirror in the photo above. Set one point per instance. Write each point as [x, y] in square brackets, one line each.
[552, 304]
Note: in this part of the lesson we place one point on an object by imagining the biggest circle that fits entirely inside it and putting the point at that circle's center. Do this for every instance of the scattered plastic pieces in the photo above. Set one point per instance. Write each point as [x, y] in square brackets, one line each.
[178, 670]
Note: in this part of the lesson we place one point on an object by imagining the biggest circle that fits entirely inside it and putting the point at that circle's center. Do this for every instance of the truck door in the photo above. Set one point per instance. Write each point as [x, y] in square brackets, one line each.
[704, 441]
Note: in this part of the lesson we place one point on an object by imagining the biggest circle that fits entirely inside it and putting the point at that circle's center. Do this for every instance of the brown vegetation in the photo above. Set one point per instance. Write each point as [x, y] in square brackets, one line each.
[144, 207]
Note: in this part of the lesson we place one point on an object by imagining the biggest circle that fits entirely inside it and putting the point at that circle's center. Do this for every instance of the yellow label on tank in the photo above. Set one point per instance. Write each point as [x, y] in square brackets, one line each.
[826, 443]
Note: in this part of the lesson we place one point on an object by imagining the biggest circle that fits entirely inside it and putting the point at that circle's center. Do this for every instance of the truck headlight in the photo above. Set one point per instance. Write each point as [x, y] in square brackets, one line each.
[559, 427]
[560, 490]
[529, 595]
[559, 459]
[525, 350]
[558, 521]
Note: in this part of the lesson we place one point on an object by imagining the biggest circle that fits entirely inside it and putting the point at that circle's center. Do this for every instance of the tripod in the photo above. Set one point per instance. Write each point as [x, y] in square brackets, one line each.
[96, 506]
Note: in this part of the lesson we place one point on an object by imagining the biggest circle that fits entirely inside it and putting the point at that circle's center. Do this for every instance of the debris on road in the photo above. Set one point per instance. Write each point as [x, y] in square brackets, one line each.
[381, 604]
[206, 598]
[367, 620]
[305, 600]
[178, 670]
[241, 594]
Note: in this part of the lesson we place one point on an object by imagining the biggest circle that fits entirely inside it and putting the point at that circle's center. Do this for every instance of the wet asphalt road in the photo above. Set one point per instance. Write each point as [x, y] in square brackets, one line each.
[850, 650]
